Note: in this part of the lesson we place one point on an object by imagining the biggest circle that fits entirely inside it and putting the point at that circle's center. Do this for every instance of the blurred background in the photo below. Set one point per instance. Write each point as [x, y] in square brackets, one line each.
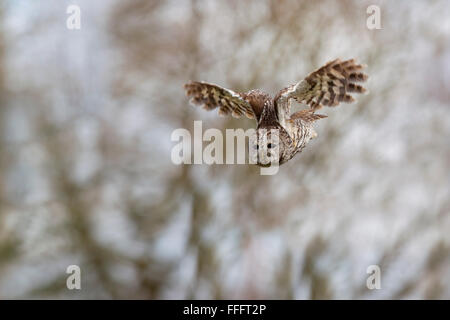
[86, 178]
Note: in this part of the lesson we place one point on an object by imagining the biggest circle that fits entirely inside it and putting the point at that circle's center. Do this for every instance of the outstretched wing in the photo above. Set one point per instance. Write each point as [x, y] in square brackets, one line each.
[211, 96]
[328, 85]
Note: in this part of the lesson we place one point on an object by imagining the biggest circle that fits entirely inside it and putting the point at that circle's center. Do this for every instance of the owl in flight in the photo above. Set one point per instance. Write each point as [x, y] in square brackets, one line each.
[328, 85]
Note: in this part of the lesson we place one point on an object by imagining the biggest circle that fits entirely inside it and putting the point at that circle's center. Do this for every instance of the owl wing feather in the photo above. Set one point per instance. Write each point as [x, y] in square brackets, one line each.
[328, 85]
[307, 115]
[211, 96]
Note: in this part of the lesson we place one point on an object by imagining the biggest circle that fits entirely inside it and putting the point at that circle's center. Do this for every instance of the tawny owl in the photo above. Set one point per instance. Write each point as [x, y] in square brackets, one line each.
[328, 85]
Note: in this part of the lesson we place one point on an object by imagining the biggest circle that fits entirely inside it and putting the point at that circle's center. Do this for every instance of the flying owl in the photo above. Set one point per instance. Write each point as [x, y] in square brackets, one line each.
[280, 134]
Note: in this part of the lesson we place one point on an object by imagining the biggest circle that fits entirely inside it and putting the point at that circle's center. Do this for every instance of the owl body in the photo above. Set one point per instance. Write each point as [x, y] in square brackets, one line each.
[280, 135]
[291, 137]
[302, 133]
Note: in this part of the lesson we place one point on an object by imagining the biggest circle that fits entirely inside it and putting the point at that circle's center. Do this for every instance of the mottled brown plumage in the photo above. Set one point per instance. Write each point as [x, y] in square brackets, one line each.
[327, 86]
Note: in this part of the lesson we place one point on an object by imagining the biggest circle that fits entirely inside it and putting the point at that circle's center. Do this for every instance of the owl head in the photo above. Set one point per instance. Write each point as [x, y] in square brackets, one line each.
[266, 147]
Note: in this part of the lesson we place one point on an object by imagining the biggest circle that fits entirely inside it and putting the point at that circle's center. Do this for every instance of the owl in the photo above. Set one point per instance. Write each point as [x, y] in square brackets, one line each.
[280, 135]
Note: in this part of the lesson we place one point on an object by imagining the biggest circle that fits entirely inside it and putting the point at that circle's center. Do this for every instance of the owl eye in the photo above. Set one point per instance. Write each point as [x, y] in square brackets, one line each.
[270, 145]
[256, 147]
